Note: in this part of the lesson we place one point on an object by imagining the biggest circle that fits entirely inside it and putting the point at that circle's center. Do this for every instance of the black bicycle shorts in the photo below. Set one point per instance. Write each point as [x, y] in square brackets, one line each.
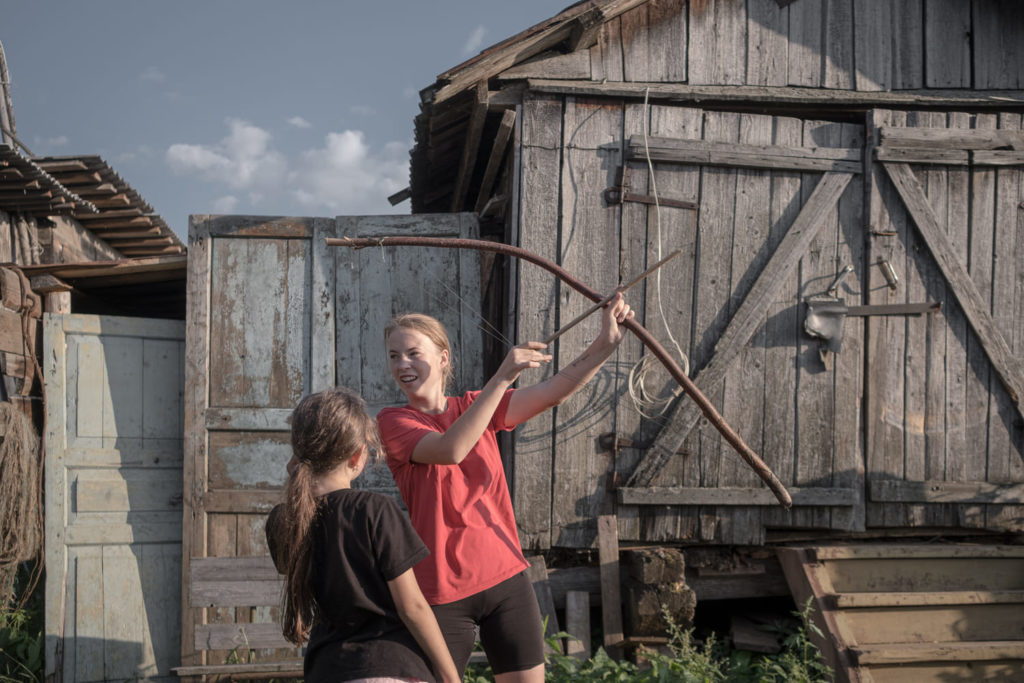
[508, 617]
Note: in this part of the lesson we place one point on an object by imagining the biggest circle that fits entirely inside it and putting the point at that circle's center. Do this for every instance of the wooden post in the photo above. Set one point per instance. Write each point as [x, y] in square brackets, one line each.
[577, 623]
[611, 603]
[538, 573]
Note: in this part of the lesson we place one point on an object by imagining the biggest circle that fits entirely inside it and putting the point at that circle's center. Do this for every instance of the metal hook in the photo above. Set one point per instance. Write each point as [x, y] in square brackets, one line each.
[839, 279]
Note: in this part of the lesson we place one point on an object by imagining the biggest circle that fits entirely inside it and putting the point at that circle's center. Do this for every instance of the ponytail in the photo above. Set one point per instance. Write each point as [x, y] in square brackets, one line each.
[295, 540]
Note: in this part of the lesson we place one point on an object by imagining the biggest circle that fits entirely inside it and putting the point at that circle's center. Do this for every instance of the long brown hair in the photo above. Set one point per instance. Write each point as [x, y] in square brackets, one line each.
[328, 428]
[432, 329]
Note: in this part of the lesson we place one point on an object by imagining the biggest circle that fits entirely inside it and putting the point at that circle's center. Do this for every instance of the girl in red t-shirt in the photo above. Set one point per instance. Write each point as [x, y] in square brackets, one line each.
[443, 453]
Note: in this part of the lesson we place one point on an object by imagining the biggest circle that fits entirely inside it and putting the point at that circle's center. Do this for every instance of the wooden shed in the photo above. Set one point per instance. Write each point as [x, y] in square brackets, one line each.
[844, 178]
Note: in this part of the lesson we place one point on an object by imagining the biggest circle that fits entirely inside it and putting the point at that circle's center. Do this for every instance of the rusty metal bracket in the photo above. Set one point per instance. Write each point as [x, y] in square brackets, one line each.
[620, 193]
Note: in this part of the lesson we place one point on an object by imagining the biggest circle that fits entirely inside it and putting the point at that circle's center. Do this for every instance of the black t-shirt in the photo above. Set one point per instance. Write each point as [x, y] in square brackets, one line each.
[362, 541]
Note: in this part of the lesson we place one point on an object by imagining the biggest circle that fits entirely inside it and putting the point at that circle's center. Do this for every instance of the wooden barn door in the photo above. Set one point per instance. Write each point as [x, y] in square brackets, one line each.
[768, 212]
[944, 419]
[274, 314]
[114, 416]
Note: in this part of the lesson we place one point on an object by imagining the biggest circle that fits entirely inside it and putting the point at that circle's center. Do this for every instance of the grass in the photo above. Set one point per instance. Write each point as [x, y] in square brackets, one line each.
[692, 661]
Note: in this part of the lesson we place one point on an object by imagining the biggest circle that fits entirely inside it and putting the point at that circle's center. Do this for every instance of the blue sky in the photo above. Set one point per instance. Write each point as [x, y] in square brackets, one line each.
[243, 106]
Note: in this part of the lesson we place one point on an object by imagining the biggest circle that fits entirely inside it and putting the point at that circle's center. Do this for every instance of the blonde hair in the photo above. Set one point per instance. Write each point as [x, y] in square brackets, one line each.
[431, 328]
[328, 428]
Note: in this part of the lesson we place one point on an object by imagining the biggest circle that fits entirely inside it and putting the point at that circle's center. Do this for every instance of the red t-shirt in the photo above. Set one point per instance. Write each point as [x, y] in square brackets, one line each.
[462, 512]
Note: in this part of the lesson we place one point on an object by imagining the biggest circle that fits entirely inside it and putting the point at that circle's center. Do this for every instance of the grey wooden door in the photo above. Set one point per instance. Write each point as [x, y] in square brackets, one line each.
[275, 314]
[945, 425]
[114, 416]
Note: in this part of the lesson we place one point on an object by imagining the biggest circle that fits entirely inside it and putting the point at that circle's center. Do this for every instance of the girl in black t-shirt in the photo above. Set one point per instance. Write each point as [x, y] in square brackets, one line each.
[347, 556]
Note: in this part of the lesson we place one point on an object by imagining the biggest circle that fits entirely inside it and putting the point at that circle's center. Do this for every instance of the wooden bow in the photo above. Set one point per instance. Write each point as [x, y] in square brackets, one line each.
[760, 468]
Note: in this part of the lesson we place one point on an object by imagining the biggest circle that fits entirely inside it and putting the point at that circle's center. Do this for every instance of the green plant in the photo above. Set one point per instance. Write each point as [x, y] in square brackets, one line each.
[800, 660]
[21, 641]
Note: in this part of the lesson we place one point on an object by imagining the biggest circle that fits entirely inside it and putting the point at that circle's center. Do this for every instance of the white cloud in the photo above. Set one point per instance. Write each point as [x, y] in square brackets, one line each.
[343, 176]
[346, 177]
[299, 122]
[242, 160]
[475, 40]
[152, 74]
[139, 153]
[225, 204]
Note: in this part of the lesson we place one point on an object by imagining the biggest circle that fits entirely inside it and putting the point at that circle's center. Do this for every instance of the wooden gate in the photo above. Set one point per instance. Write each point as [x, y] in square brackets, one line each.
[114, 416]
[275, 314]
[944, 421]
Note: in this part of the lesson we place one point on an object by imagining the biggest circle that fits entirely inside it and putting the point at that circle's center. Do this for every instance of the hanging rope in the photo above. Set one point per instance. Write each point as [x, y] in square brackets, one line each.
[649, 404]
[20, 503]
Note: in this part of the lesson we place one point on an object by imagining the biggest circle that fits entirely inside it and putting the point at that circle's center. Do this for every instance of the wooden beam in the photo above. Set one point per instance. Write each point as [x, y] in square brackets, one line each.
[611, 601]
[970, 651]
[679, 495]
[949, 138]
[107, 215]
[917, 155]
[538, 575]
[744, 323]
[81, 179]
[703, 153]
[884, 491]
[472, 143]
[753, 95]
[577, 624]
[975, 308]
[928, 598]
[917, 552]
[501, 138]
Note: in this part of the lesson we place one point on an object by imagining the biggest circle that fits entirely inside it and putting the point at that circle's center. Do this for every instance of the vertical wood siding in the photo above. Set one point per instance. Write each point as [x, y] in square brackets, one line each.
[867, 45]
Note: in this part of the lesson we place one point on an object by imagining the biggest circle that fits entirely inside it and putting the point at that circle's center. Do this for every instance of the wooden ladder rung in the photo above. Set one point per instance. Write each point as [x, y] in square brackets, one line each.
[905, 653]
[282, 668]
[919, 598]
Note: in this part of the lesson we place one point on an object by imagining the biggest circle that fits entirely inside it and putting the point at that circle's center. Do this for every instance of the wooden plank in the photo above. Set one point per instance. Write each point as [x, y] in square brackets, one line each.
[471, 143]
[291, 666]
[997, 158]
[975, 308]
[577, 624]
[588, 243]
[783, 328]
[916, 155]
[996, 28]
[606, 54]
[572, 66]
[958, 138]
[654, 42]
[873, 44]
[668, 314]
[501, 138]
[323, 299]
[230, 636]
[717, 47]
[838, 55]
[197, 346]
[767, 45]
[611, 602]
[947, 44]
[744, 323]
[939, 491]
[764, 156]
[734, 496]
[918, 598]
[806, 44]
[919, 552]
[247, 419]
[537, 302]
[933, 624]
[906, 653]
[236, 593]
[538, 576]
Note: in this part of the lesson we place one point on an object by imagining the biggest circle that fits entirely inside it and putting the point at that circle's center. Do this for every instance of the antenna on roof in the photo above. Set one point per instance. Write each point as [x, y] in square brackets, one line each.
[6, 108]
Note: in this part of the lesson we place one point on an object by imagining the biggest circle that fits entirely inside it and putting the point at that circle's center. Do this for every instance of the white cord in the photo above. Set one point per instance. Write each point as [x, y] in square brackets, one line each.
[647, 404]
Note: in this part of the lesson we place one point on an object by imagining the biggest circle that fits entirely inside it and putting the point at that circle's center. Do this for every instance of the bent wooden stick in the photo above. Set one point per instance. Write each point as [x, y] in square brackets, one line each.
[749, 456]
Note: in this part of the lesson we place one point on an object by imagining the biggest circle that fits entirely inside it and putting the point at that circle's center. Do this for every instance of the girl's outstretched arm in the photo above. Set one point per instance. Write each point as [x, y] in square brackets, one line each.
[452, 446]
[419, 619]
[533, 400]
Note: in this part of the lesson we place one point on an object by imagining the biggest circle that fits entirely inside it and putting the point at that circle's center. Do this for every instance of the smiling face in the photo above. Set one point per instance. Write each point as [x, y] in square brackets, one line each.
[417, 364]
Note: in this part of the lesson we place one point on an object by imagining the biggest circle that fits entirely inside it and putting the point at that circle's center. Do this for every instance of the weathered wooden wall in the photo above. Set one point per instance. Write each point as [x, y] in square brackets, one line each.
[561, 473]
[275, 314]
[942, 443]
[862, 45]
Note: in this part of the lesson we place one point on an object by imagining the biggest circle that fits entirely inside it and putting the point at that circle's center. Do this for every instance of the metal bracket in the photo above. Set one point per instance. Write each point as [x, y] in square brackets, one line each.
[619, 193]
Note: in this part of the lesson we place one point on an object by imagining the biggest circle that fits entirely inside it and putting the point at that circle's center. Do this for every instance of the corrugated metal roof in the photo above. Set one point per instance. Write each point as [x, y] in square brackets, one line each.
[122, 218]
